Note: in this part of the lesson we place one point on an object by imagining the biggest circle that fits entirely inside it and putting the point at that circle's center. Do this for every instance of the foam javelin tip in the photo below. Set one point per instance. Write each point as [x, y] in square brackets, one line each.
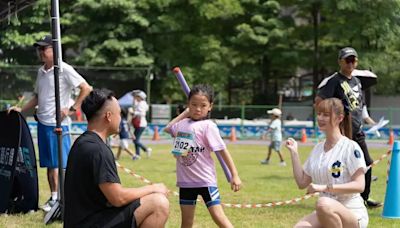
[176, 69]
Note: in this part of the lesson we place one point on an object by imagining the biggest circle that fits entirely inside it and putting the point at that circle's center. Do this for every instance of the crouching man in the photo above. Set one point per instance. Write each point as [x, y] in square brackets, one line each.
[94, 196]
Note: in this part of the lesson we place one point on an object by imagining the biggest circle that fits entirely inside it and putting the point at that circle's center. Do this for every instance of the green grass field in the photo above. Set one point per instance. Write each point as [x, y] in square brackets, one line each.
[261, 184]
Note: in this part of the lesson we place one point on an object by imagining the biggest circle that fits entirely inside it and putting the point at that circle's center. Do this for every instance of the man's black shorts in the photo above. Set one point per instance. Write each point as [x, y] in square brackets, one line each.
[114, 217]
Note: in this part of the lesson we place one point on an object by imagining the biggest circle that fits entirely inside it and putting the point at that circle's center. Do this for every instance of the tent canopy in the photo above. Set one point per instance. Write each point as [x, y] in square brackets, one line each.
[126, 100]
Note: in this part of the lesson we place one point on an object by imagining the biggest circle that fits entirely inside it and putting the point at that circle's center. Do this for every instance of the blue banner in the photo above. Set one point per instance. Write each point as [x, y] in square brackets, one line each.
[242, 132]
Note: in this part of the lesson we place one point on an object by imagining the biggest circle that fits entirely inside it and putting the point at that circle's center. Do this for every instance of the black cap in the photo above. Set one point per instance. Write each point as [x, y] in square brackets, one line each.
[346, 52]
[44, 42]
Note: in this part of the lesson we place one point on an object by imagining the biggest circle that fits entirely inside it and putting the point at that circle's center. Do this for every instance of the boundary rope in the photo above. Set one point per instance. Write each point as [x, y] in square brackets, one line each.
[256, 205]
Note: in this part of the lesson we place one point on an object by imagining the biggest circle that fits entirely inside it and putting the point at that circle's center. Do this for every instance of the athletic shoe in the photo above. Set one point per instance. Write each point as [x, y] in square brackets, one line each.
[136, 157]
[374, 178]
[264, 162]
[48, 205]
[370, 203]
[282, 163]
[148, 152]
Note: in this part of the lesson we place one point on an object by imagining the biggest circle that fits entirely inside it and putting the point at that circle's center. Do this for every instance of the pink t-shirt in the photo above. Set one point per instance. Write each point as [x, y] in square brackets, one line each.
[197, 169]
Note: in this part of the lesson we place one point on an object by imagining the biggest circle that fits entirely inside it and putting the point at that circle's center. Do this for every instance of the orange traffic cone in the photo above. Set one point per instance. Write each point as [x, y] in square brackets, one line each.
[391, 137]
[233, 135]
[303, 135]
[156, 136]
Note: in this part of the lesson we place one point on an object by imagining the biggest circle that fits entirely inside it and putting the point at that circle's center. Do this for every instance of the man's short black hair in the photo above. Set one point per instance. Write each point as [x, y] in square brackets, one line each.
[95, 101]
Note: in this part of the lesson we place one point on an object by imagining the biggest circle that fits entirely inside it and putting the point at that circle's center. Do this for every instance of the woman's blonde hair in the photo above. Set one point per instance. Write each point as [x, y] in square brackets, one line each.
[335, 106]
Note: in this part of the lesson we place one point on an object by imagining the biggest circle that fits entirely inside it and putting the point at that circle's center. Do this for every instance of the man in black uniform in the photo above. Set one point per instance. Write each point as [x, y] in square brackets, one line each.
[94, 196]
[347, 88]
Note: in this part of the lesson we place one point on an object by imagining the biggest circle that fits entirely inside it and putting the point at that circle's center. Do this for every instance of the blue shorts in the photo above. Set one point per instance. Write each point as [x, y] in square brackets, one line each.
[48, 149]
[275, 145]
[188, 196]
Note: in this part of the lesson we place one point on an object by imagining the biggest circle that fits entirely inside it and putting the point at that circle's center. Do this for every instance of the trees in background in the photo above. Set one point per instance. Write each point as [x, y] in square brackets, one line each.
[247, 49]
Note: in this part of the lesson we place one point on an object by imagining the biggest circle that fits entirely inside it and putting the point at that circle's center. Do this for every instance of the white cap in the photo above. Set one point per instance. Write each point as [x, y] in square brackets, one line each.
[275, 112]
[139, 93]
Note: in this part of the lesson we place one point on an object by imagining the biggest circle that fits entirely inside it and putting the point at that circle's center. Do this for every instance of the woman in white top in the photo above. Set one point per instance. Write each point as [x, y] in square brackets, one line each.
[335, 168]
[140, 109]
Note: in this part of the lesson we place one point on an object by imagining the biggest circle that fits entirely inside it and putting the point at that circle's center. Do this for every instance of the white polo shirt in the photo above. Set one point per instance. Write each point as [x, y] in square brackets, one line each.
[44, 88]
[336, 166]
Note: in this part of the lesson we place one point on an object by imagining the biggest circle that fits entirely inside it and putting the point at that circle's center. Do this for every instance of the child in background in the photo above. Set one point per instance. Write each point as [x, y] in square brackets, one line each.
[275, 128]
[196, 136]
[124, 134]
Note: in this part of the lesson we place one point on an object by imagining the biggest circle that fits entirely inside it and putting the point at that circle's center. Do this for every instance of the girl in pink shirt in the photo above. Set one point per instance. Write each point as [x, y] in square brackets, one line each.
[195, 137]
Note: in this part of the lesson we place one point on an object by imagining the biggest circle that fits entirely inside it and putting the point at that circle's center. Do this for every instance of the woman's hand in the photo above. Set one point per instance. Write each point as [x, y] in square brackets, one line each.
[315, 188]
[291, 144]
[236, 183]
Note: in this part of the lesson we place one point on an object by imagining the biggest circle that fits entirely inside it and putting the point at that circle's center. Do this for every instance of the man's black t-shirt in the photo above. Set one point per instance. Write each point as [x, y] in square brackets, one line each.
[349, 92]
[90, 163]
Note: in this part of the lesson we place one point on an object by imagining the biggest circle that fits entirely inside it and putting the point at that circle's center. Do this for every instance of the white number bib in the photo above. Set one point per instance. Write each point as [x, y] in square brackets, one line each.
[182, 143]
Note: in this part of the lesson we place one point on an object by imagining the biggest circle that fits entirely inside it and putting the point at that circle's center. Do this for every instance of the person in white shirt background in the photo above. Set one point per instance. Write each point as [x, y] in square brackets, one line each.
[139, 122]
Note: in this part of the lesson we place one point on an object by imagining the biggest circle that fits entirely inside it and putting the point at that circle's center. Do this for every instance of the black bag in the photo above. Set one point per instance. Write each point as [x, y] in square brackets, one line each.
[19, 190]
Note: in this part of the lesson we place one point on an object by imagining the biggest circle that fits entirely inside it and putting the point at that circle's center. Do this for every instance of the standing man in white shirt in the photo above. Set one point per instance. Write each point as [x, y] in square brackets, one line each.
[44, 98]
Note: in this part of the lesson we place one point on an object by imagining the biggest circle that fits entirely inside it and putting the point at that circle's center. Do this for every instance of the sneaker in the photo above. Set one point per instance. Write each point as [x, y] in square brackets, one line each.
[264, 162]
[372, 203]
[148, 151]
[48, 205]
[282, 163]
[374, 178]
[136, 157]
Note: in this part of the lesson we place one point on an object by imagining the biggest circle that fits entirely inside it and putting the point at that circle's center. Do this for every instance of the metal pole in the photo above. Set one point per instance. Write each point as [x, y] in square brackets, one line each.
[242, 118]
[280, 101]
[57, 58]
[316, 20]
[149, 77]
